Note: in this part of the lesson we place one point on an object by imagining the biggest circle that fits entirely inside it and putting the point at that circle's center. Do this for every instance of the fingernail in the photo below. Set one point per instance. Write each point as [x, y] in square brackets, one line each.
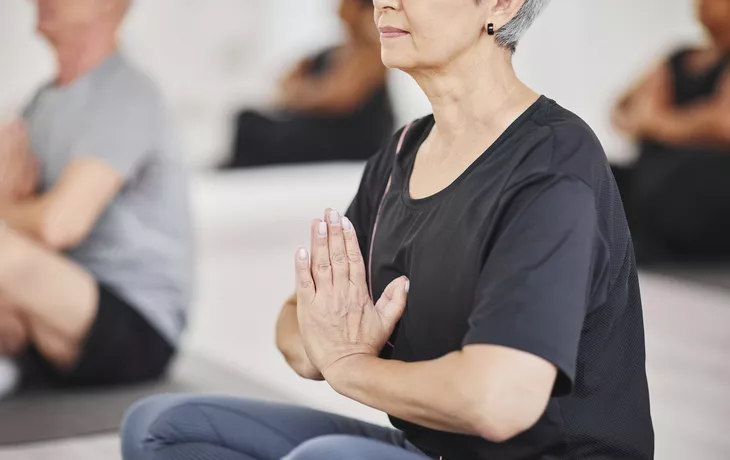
[334, 217]
[407, 286]
[323, 229]
[346, 224]
[302, 254]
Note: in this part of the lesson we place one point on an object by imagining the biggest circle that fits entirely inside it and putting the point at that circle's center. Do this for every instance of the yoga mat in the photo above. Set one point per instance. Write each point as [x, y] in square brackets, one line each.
[53, 414]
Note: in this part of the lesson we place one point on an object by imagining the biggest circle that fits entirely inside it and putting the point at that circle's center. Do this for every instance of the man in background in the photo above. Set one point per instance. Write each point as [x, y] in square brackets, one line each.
[95, 265]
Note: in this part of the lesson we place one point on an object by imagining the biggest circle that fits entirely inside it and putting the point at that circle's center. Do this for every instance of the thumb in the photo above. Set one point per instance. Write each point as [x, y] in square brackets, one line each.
[393, 301]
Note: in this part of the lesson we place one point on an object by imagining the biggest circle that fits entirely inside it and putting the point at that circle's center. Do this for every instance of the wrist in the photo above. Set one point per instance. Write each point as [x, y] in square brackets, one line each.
[344, 373]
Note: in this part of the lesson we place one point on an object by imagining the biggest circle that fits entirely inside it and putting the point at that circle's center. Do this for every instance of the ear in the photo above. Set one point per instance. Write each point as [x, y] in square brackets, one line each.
[502, 12]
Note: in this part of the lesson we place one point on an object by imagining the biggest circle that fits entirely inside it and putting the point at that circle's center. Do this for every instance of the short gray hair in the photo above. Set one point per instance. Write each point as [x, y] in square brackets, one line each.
[509, 34]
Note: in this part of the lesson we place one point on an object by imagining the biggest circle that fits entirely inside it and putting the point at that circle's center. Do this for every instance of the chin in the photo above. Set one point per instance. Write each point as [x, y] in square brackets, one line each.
[395, 60]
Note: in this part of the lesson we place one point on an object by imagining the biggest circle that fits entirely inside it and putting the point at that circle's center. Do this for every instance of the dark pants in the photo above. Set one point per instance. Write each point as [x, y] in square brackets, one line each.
[308, 138]
[179, 427]
[678, 214]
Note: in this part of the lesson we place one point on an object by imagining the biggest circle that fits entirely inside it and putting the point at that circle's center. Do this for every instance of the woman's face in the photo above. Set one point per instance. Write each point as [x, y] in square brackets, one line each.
[715, 16]
[428, 34]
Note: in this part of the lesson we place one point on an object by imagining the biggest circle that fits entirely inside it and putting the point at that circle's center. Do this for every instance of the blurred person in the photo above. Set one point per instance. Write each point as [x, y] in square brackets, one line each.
[331, 106]
[95, 241]
[509, 321]
[676, 193]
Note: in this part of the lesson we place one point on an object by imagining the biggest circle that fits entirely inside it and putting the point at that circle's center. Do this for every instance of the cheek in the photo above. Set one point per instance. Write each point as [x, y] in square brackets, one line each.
[441, 39]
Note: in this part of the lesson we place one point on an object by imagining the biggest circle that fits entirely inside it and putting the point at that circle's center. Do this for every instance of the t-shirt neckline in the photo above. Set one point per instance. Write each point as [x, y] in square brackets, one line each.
[433, 199]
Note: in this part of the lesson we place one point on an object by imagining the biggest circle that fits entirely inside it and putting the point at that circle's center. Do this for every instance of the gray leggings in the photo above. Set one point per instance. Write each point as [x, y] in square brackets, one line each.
[179, 427]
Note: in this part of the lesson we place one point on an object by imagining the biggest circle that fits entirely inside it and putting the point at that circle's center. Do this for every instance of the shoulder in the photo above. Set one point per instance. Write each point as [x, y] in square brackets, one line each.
[564, 145]
[122, 85]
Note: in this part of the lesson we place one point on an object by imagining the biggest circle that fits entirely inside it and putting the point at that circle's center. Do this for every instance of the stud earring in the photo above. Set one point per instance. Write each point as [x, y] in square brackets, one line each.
[490, 29]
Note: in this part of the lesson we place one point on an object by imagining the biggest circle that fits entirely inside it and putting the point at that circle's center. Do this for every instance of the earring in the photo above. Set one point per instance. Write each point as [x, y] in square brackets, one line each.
[490, 29]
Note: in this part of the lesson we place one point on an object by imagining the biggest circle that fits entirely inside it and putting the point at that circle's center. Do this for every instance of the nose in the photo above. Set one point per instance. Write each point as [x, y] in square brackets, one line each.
[386, 4]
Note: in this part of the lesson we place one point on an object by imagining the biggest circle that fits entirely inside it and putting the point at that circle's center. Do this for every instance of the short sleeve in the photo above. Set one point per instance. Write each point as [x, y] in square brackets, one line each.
[120, 129]
[536, 282]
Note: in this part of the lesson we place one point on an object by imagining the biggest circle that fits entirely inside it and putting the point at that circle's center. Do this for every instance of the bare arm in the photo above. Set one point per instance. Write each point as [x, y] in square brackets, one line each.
[649, 112]
[705, 123]
[483, 390]
[289, 342]
[341, 90]
[62, 217]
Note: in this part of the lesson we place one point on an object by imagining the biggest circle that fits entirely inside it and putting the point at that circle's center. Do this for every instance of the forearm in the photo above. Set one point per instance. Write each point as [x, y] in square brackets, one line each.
[435, 394]
[699, 125]
[289, 342]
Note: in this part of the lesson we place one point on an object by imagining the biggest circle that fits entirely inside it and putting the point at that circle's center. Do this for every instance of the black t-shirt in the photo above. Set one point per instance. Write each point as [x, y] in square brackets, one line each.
[528, 249]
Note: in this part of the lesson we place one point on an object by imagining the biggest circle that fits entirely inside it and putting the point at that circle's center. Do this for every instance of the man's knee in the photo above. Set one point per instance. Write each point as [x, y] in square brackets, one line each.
[14, 260]
[331, 447]
[14, 333]
[158, 422]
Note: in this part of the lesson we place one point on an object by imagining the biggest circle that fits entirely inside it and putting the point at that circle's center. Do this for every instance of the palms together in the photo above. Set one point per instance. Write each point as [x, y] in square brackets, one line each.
[337, 317]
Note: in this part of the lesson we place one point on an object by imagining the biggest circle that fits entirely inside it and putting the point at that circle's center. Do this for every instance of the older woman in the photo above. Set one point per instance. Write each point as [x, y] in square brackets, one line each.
[509, 321]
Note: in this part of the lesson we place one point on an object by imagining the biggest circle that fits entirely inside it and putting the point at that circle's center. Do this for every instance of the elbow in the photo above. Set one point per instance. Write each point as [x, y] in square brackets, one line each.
[723, 130]
[495, 431]
[60, 233]
[504, 415]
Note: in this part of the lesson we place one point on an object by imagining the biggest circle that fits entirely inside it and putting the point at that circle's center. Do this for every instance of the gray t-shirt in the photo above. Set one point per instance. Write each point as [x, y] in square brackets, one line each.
[141, 244]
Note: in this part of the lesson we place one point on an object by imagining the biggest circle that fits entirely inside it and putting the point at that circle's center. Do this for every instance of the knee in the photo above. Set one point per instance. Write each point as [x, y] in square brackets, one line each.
[330, 447]
[14, 331]
[141, 434]
[13, 248]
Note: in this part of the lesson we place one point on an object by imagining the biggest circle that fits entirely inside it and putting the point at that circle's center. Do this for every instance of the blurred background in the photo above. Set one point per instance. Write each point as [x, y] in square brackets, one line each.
[215, 58]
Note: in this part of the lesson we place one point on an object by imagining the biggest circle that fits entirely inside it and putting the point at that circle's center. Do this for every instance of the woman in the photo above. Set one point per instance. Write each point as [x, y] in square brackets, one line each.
[522, 337]
[332, 106]
[676, 194]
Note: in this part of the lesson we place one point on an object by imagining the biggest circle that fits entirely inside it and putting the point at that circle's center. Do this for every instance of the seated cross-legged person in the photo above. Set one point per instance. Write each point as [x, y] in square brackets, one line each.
[676, 193]
[95, 242]
[481, 289]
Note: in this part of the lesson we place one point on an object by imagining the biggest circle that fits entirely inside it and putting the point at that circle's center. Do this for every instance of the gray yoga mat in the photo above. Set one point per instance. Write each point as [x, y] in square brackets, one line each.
[55, 415]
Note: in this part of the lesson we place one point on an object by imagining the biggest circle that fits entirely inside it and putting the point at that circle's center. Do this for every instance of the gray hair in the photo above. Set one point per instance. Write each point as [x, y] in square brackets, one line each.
[508, 35]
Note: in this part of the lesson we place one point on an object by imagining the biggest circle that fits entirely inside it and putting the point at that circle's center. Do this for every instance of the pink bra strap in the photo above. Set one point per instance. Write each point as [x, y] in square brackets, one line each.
[377, 215]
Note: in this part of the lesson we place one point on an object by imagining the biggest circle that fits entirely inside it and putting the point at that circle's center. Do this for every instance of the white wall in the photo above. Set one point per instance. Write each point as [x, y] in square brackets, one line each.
[213, 55]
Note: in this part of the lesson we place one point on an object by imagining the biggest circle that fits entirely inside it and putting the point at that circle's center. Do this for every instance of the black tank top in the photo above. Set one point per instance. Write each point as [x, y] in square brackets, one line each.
[688, 89]
[660, 164]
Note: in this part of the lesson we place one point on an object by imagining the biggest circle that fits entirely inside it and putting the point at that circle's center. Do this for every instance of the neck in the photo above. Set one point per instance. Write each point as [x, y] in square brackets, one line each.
[477, 92]
[76, 59]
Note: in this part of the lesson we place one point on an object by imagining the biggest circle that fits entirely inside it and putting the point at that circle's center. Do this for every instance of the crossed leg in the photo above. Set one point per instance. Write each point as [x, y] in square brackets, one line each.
[45, 299]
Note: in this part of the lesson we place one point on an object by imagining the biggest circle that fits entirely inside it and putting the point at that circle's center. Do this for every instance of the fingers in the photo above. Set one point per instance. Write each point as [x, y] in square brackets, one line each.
[320, 263]
[358, 275]
[337, 254]
[393, 301]
[305, 284]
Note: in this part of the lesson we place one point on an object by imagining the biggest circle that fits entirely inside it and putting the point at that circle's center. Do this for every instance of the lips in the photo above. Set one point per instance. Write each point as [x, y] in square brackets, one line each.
[391, 32]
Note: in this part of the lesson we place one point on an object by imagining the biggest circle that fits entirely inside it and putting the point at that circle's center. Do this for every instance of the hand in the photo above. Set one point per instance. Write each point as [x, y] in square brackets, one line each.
[337, 317]
[18, 167]
[291, 84]
[636, 114]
